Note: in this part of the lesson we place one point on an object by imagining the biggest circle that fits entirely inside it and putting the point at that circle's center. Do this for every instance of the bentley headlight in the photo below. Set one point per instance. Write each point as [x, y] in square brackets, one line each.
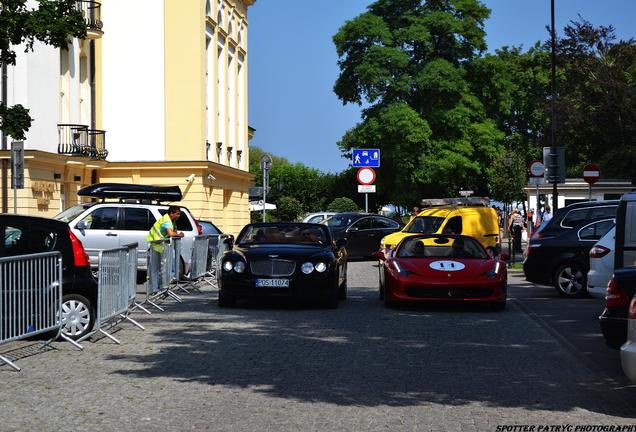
[321, 267]
[239, 266]
[227, 266]
[307, 268]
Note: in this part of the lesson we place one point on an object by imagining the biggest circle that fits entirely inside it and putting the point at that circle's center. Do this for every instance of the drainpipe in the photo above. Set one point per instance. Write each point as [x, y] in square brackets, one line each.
[5, 162]
[92, 84]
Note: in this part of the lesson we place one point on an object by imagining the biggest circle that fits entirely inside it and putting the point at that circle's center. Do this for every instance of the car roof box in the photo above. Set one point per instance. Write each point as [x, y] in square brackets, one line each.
[132, 191]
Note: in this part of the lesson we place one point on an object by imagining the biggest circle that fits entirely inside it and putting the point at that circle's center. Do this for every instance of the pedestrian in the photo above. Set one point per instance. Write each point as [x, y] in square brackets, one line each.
[414, 213]
[165, 226]
[546, 216]
[515, 226]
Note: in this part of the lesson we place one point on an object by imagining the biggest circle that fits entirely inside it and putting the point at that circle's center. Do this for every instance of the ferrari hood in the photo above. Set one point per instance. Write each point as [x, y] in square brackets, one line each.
[442, 267]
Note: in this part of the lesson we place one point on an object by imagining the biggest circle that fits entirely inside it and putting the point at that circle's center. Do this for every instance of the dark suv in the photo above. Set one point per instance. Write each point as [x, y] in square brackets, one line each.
[22, 235]
[558, 252]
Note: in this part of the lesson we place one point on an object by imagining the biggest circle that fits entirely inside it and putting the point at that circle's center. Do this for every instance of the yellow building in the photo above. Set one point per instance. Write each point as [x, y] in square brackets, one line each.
[166, 82]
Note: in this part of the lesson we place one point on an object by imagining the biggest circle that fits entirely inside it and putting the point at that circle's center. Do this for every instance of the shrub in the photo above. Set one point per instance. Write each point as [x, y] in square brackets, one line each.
[343, 204]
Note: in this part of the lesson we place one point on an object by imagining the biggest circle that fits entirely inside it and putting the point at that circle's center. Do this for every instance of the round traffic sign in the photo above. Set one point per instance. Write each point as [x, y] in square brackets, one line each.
[537, 169]
[591, 173]
[366, 176]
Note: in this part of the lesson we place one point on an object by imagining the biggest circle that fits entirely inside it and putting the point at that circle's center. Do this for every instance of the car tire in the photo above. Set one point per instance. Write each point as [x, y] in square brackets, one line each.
[334, 297]
[498, 306]
[570, 280]
[226, 301]
[388, 303]
[142, 277]
[342, 294]
[78, 316]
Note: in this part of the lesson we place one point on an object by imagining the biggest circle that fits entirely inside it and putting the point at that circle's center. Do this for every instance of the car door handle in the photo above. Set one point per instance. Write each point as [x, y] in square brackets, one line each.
[111, 234]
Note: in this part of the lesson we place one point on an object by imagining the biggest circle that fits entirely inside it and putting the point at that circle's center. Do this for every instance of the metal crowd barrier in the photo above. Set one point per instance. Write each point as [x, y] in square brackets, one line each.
[117, 275]
[176, 263]
[198, 260]
[217, 250]
[30, 298]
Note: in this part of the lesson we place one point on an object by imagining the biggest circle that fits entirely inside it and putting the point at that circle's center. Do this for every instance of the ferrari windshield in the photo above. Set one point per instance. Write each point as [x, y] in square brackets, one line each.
[284, 233]
[424, 225]
[441, 247]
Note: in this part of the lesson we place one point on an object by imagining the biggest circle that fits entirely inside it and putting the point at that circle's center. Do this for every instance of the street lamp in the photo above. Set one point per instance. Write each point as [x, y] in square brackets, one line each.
[507, 161]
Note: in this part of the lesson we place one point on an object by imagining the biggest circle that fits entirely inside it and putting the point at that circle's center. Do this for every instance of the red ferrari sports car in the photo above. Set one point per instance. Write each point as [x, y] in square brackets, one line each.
[439, 267]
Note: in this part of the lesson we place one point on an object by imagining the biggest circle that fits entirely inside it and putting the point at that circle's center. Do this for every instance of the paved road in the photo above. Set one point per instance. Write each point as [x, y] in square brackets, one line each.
[279, 367]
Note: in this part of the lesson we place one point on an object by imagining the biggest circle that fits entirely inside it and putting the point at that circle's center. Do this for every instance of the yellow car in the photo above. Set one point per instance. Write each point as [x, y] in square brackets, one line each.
[480, 223]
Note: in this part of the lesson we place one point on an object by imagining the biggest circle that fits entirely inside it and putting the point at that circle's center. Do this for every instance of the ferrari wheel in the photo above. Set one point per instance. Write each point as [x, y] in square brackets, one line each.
[388, 303]
[498, 306]
[570, 280]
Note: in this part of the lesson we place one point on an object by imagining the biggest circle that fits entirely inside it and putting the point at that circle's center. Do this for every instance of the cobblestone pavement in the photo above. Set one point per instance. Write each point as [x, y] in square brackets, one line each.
[278, 367]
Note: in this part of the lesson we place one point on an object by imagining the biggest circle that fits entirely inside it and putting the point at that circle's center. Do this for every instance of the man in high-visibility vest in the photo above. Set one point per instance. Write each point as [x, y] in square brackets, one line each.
[165, 226]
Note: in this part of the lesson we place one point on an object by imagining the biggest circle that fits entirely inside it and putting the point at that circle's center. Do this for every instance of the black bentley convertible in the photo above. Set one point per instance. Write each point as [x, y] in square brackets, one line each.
[297, 260]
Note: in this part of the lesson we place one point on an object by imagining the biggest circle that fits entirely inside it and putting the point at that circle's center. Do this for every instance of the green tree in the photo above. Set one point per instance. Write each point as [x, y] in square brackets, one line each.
[408, 61]
[288, 209]
[53, 22]
[343, 204]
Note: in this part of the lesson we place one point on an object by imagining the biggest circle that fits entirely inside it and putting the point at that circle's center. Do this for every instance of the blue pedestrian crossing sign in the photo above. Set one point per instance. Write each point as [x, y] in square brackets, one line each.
[362, 158]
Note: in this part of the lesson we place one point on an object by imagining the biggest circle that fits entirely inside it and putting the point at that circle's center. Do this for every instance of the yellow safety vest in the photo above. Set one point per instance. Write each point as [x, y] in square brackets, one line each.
[155, 232]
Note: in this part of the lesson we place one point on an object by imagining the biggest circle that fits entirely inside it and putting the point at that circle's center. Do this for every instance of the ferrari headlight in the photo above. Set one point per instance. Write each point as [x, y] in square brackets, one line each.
[495, 271]
[227, 266]
[307, 268]
[382, 242]
[239, 266]
[321, 267]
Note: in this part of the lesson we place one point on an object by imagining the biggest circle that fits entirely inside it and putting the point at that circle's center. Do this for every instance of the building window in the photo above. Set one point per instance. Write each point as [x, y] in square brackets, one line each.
[221, 92]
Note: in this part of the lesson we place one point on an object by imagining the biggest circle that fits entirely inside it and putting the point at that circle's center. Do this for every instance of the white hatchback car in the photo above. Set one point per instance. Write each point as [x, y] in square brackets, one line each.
[601, 264]
[628, 350]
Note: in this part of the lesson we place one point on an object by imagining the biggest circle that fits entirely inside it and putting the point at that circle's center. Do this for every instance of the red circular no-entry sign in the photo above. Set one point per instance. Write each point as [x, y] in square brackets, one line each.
[591, 173]
[366, 176]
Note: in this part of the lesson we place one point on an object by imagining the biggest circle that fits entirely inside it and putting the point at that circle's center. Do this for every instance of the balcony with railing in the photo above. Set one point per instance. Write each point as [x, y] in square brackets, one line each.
[79, 140]
[92, 12]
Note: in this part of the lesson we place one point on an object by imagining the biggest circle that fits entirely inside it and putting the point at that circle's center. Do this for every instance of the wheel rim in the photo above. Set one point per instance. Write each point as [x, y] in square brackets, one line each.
[76, 318]
[571, 280]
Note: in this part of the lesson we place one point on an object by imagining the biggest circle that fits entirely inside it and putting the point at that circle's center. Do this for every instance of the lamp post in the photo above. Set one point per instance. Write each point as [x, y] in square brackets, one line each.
[555, 197]
[507, 161]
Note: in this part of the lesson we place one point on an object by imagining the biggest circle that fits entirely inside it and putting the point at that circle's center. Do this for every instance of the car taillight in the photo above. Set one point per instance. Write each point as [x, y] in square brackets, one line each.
[79, 254]
[615, 296]
[631, 314]
[199, 228]
[599, 251]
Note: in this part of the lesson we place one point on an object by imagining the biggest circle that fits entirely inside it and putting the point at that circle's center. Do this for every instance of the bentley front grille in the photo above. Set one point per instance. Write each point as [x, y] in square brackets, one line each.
[273, 267]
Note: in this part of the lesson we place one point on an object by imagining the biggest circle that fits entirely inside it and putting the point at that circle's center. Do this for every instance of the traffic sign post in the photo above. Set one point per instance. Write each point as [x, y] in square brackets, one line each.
[537, 173]
[361, 158]
[17, 170]
[591, 175]
[266, 166]
[366, 177]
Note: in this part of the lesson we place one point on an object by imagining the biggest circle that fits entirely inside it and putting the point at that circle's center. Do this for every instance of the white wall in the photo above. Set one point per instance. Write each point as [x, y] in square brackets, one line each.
[133, 79]
[33, 83]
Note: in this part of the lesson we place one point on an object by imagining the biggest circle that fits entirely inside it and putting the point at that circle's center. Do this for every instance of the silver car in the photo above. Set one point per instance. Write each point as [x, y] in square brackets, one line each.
[108, 225]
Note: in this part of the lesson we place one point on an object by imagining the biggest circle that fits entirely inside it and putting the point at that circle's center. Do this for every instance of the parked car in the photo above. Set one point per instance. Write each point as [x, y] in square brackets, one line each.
[22, 235]
[563, 259]
[362, 231]
[108, 225]
[443, 268]
[566, 218]
[293, 260]
[208, 228]
[601, 264]
[628, 350]
[478, 222]
[317, 217]
[622, 286]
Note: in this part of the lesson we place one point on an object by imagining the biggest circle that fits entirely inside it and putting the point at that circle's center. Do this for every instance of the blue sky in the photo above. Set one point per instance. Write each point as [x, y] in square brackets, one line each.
[293, 65]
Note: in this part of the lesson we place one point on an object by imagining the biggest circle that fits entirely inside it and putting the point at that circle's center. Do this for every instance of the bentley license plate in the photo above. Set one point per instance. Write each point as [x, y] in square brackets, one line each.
[272, 283]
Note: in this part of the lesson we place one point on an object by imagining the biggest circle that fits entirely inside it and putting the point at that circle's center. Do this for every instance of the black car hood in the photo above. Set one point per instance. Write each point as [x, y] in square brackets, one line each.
[282, 251]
